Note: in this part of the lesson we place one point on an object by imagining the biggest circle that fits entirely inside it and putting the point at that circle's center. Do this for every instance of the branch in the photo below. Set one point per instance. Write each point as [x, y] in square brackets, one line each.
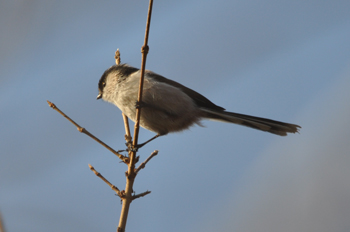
[117, 57]
[83, 130]
[143, 165]
[114, 188]
[128, 137]
[144, 51]
[132, 154]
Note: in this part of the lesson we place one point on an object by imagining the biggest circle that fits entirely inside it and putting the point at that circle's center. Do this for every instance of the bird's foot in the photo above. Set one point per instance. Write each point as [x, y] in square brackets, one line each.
[140, 104]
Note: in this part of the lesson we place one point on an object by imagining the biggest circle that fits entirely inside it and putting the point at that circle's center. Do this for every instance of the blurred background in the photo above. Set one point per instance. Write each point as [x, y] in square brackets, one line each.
[284, 60]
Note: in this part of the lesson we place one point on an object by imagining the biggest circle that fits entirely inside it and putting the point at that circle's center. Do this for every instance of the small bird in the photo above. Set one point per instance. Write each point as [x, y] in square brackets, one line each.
[168, 106]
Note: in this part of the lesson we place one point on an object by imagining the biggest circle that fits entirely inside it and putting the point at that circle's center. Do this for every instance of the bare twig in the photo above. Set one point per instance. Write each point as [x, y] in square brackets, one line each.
[132, 154]
[128, 137]
[126, 195]
[143, 165]
[83, 130]
[144, 51]
[140, 195]
[114, 188]
[117, 57]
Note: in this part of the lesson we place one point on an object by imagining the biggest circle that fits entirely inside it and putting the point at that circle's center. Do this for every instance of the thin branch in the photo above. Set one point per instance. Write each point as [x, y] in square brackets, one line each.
[83, 130]
[140, 195]
[128, 137]
[144, 51]
[143, 165]
[117, 57]
[132, 154]
[113, 187]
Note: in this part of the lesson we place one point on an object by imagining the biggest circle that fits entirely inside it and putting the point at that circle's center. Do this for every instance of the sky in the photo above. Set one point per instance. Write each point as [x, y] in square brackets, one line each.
[284, 60]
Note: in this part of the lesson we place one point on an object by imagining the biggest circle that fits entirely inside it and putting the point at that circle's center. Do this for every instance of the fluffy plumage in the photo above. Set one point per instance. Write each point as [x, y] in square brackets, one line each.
[170, 106]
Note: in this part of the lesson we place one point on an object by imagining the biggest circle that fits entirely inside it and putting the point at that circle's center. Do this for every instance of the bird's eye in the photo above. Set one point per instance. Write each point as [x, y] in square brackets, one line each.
[103, 84]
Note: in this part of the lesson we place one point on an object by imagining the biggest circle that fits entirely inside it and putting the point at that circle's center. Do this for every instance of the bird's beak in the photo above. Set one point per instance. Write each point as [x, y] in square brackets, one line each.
[99, 96]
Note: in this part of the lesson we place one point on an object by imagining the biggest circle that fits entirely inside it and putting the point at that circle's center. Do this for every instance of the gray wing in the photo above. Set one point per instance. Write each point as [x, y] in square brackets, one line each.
[198, 98]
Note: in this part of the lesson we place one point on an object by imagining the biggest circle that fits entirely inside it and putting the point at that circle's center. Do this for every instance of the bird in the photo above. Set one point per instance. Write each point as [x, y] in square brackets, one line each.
[168, 106]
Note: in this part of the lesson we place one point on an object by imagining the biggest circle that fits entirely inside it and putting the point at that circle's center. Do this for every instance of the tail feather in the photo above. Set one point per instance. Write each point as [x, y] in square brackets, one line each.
[264, 124]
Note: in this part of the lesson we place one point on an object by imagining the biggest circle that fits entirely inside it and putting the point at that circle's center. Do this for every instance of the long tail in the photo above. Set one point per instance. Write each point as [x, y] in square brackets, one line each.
[264, 124]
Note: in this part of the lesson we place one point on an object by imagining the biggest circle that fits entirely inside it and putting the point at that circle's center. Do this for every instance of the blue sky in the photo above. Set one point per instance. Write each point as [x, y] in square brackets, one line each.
[284, 60]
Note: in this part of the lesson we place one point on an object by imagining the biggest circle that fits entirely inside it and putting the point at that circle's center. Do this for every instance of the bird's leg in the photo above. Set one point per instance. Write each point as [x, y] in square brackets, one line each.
[140, 104]
[143, 144]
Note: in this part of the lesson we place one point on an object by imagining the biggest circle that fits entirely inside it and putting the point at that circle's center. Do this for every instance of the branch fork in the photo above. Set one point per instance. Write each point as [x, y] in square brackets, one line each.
[126, 195]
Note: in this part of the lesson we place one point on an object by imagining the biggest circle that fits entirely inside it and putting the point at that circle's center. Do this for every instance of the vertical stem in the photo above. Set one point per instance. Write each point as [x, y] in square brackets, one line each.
[130, 175]
[144, 51]
[128, 198]
[127, 128]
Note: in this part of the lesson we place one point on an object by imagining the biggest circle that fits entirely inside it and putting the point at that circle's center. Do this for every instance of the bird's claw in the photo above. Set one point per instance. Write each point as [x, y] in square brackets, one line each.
[139, 104]
[132, 147]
